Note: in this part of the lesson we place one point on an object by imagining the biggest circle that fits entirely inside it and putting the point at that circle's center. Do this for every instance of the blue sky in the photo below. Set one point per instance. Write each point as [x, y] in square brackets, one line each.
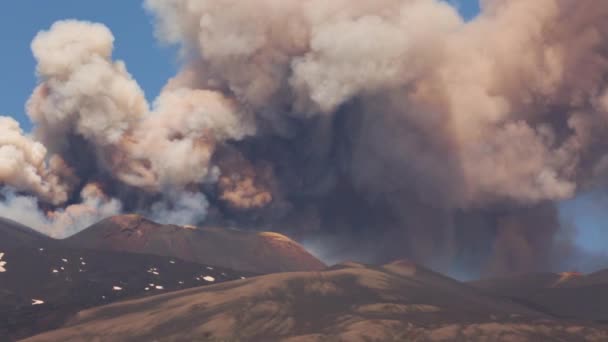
[588, 212]
[152, 64]
[20, 20]
[467, 8]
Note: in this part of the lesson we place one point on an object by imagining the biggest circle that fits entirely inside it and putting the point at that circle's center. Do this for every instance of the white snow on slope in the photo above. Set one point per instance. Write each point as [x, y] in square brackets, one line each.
[37, 302]
[2, 263]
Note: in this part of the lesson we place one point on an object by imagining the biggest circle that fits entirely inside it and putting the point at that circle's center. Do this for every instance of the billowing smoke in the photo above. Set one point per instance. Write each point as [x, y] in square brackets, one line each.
[181, 209]
[93, 206]
[376, 129]
[24, 164]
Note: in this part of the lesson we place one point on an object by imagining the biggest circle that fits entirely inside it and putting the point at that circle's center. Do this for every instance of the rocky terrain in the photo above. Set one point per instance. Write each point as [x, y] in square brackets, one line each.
[568, 295]
[44, 281]
[348, 302]
[129, 279]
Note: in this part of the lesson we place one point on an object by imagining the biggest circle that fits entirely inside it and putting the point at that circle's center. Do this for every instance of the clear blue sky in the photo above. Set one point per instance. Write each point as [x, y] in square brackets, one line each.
[152, 65]
[467, 8]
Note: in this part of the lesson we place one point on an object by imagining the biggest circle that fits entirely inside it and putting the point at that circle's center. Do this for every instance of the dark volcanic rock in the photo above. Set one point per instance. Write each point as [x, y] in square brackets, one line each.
[563, 295]
[42, 287]
[350, 302]
[247, 251]
[14, 235]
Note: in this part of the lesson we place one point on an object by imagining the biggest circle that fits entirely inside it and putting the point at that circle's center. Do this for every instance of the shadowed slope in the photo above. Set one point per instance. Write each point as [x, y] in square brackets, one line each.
[44, 281]
[567, 295]
[14, 235]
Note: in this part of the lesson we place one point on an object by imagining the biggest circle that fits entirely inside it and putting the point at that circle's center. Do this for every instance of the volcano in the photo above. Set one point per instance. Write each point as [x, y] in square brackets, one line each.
[263, 252]
[44, 282]
[566, 295]
[88, 287]
[14, 235]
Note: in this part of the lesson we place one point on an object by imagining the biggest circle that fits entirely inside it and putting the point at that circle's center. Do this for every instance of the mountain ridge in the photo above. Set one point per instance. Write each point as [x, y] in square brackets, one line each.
[259, 252]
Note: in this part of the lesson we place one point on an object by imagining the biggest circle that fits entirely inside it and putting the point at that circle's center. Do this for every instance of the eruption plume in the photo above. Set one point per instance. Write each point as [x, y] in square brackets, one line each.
[393, 122]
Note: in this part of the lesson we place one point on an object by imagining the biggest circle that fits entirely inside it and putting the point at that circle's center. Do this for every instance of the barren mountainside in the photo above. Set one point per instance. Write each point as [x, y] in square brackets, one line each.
[44, 282]
[246, 251]
[349, 302]
[14, 235]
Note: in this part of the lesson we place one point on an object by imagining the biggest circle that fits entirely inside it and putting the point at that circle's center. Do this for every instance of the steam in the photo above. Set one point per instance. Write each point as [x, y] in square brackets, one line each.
[180, 209]
[387, 121]
[23, 164]
[85, 94]
[94, 206]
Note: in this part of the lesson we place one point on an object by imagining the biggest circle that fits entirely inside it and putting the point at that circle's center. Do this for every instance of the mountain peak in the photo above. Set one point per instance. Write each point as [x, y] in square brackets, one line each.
[264, 252]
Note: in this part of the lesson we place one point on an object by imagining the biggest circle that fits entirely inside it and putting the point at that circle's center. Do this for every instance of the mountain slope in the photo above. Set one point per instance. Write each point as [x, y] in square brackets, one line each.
[14, 235]
[566, 295]
[247, 251]
[350, 302]
[43, 282]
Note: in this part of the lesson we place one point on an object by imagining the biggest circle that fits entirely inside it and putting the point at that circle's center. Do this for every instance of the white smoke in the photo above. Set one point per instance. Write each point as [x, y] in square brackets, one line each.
[63, 222]
[25, 166]
[179, 209]
[84, 93]
[178, 139]
[82, 90]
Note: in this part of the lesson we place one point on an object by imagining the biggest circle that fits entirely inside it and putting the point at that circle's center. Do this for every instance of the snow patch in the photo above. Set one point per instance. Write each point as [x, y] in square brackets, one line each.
[37, 302]
[153, 270]
[2, 263]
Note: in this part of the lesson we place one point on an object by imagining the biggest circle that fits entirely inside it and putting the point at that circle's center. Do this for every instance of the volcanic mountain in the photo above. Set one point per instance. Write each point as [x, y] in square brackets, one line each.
[566, 295]
[348, 302]
[246, 251]
[43, 282]
[14, 236]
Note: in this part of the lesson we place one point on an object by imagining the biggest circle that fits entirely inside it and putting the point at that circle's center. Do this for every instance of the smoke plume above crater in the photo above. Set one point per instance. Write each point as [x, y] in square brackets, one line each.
[375, 129]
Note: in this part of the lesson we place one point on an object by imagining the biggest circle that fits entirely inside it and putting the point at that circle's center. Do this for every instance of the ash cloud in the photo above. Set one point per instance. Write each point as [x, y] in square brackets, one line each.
[392, 122]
